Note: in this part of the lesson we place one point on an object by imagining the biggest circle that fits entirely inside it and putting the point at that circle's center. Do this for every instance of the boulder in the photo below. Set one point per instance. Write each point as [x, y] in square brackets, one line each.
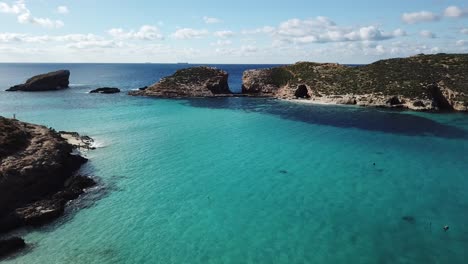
[45, 82]
[11, 245]
[106, 90]
[191, 82]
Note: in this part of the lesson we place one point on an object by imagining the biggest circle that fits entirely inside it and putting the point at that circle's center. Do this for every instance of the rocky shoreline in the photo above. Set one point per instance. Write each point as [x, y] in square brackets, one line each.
[37, 176]
[420, 83]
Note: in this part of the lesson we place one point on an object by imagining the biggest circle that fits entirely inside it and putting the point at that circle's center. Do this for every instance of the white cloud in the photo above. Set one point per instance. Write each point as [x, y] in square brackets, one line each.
[145, 32]
[461, 43]
[399, 33]
[464, 31]
[63, 10]
[427, 34]
[27, 18]
[455, 11]
[265, 30]
[222, 43]
[418, 17]
[24, 15]
[16, 8]
[94, 44]
[16, 37]
[249, 49]
[322, 30]
[224, 34]
[189, 33]
[211, 20]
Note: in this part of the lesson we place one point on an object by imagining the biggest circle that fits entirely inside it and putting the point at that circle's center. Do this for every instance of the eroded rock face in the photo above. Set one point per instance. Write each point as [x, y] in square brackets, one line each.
[192, 82]
[45, 82]
[33, 172]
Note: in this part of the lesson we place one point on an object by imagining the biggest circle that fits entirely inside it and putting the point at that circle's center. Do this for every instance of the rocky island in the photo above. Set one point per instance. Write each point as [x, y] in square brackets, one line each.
[37, 179]
[106, 90]
[45, 82]
[192, 82]
[424, 82]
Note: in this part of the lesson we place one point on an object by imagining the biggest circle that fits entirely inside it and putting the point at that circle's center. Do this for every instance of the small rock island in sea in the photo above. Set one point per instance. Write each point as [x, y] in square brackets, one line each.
[192, 82]
[44, 82]
[37, 178]
[106, 90]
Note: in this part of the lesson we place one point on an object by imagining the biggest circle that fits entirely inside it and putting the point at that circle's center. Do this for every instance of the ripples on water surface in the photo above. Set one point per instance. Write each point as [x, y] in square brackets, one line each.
[242, 180]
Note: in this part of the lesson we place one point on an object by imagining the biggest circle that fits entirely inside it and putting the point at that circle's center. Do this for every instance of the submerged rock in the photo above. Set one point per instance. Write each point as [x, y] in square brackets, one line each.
[45, 82]
[191, 82]
[106, 90]
[11, 245]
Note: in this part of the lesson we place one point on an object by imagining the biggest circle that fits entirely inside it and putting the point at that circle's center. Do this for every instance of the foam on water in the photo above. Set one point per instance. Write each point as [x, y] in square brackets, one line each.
[242, 180]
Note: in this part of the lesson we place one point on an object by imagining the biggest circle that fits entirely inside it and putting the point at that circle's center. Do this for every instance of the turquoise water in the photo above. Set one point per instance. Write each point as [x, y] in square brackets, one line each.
[244, 180]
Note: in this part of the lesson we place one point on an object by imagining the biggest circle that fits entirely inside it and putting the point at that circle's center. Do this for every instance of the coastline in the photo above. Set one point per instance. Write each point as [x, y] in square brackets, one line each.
[38, 169]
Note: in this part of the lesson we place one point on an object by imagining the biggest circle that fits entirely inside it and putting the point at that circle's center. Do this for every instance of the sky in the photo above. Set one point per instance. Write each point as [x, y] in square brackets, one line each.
[238, 32]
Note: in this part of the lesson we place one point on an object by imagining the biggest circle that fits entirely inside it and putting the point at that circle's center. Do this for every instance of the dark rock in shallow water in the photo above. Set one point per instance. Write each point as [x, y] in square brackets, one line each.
[143, 88]
[35, 172]
[45, 82]
[409, 219]
[106, 90]
[283, 171]
[10, 246]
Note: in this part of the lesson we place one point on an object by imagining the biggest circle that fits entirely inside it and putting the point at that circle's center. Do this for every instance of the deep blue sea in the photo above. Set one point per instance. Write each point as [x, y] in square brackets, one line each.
[245, 180]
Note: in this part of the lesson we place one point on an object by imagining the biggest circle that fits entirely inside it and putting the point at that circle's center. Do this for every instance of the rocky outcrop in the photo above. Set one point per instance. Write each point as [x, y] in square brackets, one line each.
[45, 82]
[10, 246]
[192, 82]
[424, 82]
[36, 168]
[106, 90]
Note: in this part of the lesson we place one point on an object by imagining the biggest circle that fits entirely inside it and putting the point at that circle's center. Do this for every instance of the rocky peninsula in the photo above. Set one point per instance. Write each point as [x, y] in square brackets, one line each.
[44, 82]
[423, 82]
[37, 178]
[192, 82]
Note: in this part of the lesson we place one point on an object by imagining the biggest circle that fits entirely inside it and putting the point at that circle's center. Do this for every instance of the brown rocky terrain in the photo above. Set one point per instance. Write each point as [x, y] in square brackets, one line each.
[191, 82]
[36, 175]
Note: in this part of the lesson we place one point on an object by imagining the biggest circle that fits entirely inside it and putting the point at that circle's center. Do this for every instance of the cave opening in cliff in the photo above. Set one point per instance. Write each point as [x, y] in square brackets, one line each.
[302, 92]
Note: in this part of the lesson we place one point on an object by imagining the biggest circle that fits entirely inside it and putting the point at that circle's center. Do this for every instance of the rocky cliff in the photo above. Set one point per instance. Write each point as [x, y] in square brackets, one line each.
[45, 82]
[36, 168]
[423, 82]
[192, 82]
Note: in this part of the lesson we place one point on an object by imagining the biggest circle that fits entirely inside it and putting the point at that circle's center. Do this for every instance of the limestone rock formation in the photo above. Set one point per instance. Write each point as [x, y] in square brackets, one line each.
[424, 82]
[191, 82]
[45, 82]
